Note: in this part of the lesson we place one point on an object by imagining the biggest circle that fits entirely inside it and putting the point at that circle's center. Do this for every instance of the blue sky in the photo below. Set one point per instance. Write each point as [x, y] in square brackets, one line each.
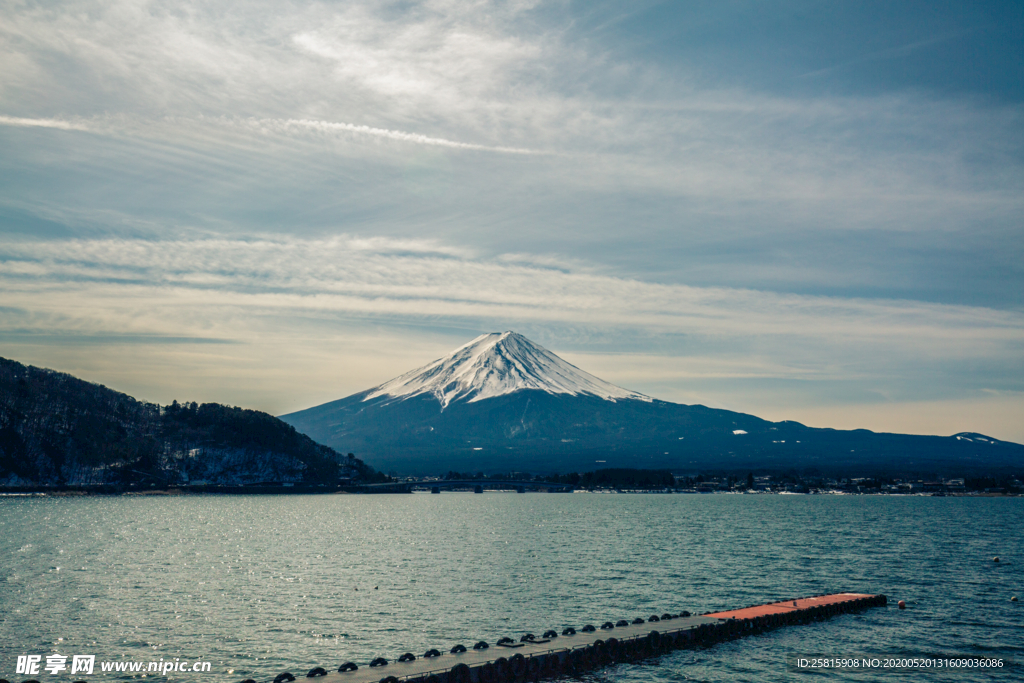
[801, 210]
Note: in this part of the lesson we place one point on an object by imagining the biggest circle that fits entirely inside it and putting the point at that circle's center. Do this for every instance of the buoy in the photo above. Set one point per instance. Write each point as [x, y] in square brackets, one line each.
[901, 604]
[1013, 599]
[995, 559]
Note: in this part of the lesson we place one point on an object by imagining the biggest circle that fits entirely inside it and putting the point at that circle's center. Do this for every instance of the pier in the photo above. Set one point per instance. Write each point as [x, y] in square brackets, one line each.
[554, 654]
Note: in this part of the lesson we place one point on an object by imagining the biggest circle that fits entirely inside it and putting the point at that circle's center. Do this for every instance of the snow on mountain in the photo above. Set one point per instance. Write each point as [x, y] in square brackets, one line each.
[494, 365]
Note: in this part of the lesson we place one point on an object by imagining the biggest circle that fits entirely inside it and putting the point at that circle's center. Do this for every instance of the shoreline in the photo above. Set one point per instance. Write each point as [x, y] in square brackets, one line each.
[107, 490]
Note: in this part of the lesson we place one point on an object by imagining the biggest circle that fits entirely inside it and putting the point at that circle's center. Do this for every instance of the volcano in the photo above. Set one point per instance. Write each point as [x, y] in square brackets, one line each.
[503, 403]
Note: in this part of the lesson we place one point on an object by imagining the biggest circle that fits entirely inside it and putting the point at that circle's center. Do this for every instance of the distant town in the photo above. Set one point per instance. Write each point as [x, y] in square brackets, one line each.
[661, 481]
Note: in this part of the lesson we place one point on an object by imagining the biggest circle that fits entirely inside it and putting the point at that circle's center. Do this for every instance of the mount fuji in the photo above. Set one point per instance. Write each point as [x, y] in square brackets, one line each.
[502, 403]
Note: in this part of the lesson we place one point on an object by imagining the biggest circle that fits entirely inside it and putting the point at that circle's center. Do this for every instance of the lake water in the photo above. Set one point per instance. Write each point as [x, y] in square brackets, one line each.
[258, 585]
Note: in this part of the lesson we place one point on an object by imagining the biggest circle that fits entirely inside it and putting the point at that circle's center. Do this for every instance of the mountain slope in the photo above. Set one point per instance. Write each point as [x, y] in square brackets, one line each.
[58, 430]
[502, 403]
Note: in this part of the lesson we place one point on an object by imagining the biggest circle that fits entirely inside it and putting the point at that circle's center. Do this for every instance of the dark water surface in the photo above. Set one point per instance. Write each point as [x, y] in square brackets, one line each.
[262, 584]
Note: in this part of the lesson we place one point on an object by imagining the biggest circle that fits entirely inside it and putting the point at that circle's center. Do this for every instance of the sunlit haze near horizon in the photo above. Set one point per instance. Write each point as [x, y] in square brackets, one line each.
[800, 210]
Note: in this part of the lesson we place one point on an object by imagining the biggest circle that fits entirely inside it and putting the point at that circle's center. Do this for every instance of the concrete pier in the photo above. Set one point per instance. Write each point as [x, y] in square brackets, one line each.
[595, 645]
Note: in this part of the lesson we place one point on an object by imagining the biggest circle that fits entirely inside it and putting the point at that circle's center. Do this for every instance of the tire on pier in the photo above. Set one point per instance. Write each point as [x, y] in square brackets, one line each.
[533, 669]
[502, 670]
[485, 673]
[654, 642]
[600, 652]
[316, 671]
[460, 673]
[286, 677]
[611, 648]
[389, 679]
[560, 663]
[347, 666]
[517, 664]
[576, 661]
[379, 661]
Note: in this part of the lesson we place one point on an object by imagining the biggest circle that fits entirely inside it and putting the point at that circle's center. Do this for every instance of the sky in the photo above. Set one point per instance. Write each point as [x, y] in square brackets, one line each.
[803, 210]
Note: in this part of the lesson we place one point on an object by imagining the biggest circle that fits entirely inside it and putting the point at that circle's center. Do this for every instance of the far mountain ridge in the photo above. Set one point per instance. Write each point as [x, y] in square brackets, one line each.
[502, 403]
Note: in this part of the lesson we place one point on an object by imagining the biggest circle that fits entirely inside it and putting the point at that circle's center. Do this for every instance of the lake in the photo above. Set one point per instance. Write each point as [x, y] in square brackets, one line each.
[257, 585]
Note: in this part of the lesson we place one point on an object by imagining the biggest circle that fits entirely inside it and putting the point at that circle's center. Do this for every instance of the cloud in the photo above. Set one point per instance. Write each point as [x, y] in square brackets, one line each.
[416, 138]
[348, 275]
[285, 322]
[42, 123]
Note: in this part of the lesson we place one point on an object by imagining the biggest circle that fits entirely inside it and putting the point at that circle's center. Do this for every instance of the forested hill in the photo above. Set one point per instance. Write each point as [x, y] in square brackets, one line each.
[56, 429]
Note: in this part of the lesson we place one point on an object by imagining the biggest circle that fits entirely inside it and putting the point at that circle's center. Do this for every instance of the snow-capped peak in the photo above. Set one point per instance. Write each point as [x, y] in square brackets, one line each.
[497, 364]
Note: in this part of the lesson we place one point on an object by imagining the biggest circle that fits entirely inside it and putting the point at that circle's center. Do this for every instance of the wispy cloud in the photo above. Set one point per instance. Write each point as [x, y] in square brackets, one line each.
[888, 53]
[352, 276]
[119, 125]
[403, 136]
[60, 124]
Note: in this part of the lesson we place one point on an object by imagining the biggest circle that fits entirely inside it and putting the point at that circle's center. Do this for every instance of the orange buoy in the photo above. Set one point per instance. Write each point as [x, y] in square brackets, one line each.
[901, 604]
